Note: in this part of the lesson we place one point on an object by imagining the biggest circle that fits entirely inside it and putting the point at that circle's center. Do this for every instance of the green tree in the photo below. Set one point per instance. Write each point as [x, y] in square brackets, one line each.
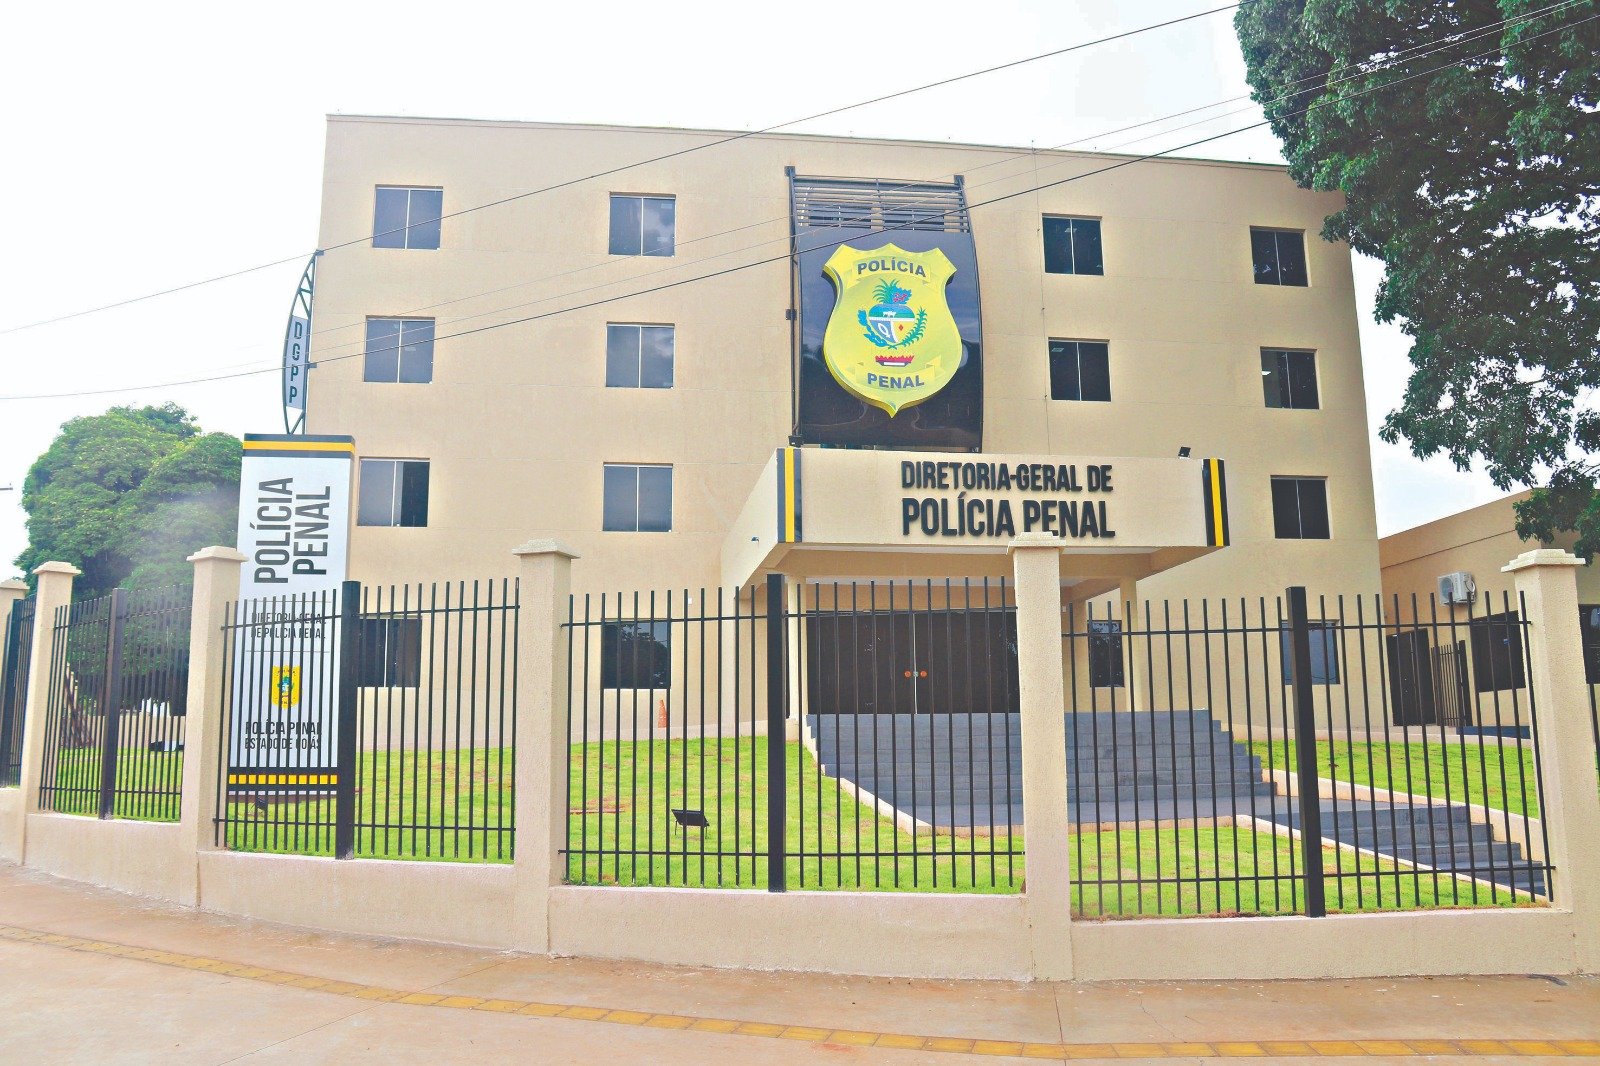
[126, 495]
[1466, 139]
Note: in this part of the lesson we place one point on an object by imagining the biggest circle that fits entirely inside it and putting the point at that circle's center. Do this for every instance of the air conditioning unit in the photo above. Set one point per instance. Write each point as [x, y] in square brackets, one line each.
[1457, 588]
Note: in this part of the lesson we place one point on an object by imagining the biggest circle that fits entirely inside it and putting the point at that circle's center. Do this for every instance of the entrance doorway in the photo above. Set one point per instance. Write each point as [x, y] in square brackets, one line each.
[911, 662]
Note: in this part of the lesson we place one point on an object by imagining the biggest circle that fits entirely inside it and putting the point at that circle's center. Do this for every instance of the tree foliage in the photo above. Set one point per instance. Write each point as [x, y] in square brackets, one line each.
[1466, 138]
[127, 495]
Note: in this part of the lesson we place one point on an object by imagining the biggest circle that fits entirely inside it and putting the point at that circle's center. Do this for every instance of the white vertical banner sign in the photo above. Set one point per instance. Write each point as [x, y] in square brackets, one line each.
[296, 344]
[294, 529]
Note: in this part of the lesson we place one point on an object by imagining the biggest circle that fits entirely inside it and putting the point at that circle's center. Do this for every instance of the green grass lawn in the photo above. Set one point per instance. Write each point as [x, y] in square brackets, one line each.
[1487, 774]
[147, 786]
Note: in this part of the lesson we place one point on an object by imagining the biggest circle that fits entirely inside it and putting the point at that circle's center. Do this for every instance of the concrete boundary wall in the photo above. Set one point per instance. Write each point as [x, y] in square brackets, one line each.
[1031, 935]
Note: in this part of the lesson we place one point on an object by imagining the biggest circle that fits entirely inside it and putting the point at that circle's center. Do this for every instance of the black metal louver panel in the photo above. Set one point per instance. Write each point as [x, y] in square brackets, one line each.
[880, 204]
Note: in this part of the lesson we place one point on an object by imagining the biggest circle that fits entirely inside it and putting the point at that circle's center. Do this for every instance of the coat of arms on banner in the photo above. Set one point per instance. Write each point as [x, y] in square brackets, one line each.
[891, 339]
[285, 687]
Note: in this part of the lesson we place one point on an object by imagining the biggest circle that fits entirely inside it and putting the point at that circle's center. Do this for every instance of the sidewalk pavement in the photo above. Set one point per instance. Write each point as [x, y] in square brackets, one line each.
[88, 975]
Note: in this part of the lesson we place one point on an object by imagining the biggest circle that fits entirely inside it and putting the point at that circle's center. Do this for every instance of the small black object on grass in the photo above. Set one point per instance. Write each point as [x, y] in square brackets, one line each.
[690, 819]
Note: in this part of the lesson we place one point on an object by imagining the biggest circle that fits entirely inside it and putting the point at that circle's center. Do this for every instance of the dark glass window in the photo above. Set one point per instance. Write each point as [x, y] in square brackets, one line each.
[407, 218]
[635, 655]
[393, 492]
[1105, 654]
[399, 349]
[1589, 626]
[1289, 379]
[639, 357]
[1280, 256]
[1324, 654]
[638, 499]
[1080, 370]
[643, 225]
[1300, 508]
[1072, 246]
[1497, 652]
[390, 652]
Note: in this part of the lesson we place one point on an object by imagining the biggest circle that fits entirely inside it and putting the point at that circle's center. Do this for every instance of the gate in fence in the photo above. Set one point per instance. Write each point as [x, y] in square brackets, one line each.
[371, 721]
[119, 682]
[843, 736]
[18, 651]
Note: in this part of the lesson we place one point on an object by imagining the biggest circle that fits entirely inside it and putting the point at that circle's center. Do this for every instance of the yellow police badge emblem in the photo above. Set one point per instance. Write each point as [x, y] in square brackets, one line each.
[891, 339]
[285, 692]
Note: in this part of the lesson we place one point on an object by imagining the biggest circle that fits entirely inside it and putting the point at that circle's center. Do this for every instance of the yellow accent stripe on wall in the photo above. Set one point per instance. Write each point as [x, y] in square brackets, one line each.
[299, 446]
[283, 779]
[1221, 538]
[787, 473]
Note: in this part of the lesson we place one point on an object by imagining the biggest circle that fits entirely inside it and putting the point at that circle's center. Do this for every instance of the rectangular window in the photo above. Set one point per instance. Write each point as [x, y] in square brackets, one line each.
[1072, 246]
[399, 349]
[407, 217]
[390, 652]
[1080, 370]
[1105, 654]
[635, 655]
[639, 357]
[643, 225]
[1289, 379]
[1300, 508]
[1589, 627]
[393, 492]
[638, 499]
[1280, 256]
[1497, 652]
[1324, 654]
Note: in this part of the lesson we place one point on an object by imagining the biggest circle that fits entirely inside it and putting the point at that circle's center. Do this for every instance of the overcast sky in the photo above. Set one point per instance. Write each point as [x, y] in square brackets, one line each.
[151, 146]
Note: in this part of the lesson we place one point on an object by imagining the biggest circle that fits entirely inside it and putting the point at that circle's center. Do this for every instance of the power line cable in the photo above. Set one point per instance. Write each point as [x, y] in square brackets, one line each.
[786, 256]
[1012, 64]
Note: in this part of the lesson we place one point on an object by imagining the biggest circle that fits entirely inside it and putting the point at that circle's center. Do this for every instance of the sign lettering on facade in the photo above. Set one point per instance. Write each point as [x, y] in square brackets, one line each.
[296, 345]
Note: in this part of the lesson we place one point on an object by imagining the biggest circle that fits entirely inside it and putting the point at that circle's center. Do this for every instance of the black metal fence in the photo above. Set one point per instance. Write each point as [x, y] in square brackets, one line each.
[839, 736]
[374, 722]
[119, 677]
[18, 652]
[1284, 757]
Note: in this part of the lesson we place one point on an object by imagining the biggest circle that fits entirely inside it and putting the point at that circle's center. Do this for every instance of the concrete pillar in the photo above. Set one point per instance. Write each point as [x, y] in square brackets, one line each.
[216, 585]
[1546, 582]
[54, 592]
[1041, 692]
[541, 765]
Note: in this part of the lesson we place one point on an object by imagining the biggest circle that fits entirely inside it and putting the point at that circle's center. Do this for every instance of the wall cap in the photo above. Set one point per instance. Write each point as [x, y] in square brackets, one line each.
[57, 567]
[1542, 557]
[1033, 540]
[218, 551]
[13, 585]
[546, 547]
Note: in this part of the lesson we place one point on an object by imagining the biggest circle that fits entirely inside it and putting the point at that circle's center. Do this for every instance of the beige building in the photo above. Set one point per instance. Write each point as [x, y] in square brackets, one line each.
[1186, 304]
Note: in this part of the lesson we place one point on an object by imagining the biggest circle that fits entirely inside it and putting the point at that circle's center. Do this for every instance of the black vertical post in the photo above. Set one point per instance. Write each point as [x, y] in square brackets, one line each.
[1305, 750]
[344, 795]
[110, 705]
[777, 732]
[8, 691]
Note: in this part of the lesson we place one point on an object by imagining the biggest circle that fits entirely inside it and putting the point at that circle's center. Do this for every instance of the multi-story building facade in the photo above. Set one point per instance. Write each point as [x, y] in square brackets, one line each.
[612, 362]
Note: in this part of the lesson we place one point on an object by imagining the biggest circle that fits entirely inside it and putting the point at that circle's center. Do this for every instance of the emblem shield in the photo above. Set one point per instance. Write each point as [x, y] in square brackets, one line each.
[891, 339]
[285, 687]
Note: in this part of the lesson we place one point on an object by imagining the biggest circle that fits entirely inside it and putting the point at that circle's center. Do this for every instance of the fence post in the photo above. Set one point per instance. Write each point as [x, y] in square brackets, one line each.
[1041, 695]
[110, 703]
[1547, 585]
[540, 759]
[54, 591]
[777, 733]
[1305, 754]
[11, 594]
[348, 737]
[216, 585]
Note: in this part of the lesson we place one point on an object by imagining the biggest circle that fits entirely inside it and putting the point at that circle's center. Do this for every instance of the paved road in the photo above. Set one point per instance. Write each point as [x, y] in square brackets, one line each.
[95, 977]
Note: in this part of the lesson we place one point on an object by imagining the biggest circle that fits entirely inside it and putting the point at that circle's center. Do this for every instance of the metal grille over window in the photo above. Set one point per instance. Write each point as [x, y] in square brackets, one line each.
[879, 204]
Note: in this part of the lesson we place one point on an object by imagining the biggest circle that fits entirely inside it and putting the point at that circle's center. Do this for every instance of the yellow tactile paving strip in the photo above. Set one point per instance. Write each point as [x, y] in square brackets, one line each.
[1221, 1049]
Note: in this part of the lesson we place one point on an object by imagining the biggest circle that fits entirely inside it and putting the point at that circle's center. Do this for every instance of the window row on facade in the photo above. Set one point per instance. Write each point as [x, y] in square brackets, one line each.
[410, 217]
[637, 498]
[642, 356]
